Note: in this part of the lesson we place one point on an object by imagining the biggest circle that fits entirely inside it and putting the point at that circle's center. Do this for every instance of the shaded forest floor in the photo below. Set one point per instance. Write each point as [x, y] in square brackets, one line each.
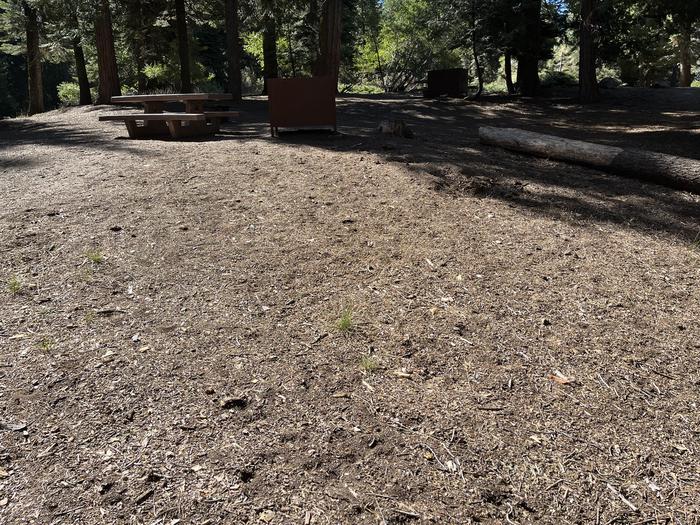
[519, 341]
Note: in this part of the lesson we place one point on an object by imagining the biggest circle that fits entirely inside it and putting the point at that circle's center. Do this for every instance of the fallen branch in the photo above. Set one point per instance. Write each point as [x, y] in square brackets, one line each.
[667, 170]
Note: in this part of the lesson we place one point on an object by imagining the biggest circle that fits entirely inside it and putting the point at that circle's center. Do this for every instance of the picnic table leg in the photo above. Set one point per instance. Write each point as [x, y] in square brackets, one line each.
[180, 130]
[153, 127]
[132, 128]
[200, 128]
[175, 128]
[215, 124]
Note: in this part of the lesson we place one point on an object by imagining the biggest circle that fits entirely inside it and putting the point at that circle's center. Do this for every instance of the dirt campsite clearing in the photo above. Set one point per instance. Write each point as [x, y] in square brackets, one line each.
[349, 328]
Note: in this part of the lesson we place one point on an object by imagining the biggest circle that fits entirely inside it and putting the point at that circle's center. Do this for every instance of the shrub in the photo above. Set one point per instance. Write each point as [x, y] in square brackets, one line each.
[559, 79]
[69, 93]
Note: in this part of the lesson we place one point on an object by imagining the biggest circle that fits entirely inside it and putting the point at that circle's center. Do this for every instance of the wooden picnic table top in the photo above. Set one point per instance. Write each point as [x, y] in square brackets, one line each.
[171, 97]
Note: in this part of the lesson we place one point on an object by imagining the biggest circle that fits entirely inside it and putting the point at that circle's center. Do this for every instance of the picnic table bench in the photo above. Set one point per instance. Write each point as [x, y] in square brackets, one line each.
[156, 122]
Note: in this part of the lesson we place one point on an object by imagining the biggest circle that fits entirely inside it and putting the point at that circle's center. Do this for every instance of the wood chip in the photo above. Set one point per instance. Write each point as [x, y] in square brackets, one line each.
[560, 378]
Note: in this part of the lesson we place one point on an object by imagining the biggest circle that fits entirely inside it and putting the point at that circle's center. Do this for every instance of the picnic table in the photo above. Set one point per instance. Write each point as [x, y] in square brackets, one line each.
[196, 121]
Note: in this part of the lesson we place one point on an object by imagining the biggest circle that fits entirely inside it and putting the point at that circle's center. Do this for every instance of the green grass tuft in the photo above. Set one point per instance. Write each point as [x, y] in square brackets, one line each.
[90, 317]
[345, 323]
[46, 344]
[369, 364]
[14, 285]
[95, 256]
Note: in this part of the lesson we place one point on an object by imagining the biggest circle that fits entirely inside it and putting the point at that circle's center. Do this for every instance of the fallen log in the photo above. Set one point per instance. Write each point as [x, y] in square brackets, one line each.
[667, 170]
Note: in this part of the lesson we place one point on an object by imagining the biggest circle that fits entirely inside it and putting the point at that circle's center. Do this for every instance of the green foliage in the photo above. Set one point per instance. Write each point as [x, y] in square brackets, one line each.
[46, 344]
[69, 93]
[14, 285]
[559, 79]
[95, 256]
[345, 323]
[369, 364]
[409, 46]
[360, 89]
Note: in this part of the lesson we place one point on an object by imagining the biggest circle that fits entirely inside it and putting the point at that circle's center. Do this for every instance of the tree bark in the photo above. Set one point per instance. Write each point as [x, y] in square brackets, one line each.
[330, 33]
[508, 64]
[667, 170]
[35, 81]
[587, 80]
[233, 50]
[685, 55]
[312, 20]
[81, 72]
[270, 66]
[290, 49]
[136, 23]
[528, 76]
[380, 67]
[529, 54]
[183, 46]
[108, 83]
[475, 52]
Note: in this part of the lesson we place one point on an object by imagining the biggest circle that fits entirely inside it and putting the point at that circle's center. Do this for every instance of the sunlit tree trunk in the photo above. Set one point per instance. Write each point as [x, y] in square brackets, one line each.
[36, 86]
[684, 41]
[106, 57]
[328, 63]
[475, 52]
[290, 49]
[233, 49]
[183, 46]
[588, 83]
[508, 64]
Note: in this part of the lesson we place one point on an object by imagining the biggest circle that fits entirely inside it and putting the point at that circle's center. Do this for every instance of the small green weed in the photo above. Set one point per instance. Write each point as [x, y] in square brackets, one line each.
[345, 323]
[46, 344]
[90, 317]
[14, 285]
[95, 256]
[369, 364]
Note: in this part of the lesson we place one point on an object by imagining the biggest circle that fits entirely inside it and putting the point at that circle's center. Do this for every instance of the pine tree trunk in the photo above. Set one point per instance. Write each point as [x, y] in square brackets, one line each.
[380, 67]
[270, 67]
[141, 80]
[233, 49]
[106, 57]
[475, 52]
[137, 43]
[328, 63]
[312, 21]
[588, 83]
[81, 72]
[183, 46]
[684, 41]
[508, 64]
[528, 76]
[290, 48]
[36, 86]
[529, 56]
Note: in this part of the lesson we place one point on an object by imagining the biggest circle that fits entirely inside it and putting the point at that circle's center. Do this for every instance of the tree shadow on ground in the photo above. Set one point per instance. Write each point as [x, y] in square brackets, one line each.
[16, 133]
[446, 151]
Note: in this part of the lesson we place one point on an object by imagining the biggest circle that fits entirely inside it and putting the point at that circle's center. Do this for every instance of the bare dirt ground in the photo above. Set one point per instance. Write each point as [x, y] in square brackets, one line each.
[520, 339]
